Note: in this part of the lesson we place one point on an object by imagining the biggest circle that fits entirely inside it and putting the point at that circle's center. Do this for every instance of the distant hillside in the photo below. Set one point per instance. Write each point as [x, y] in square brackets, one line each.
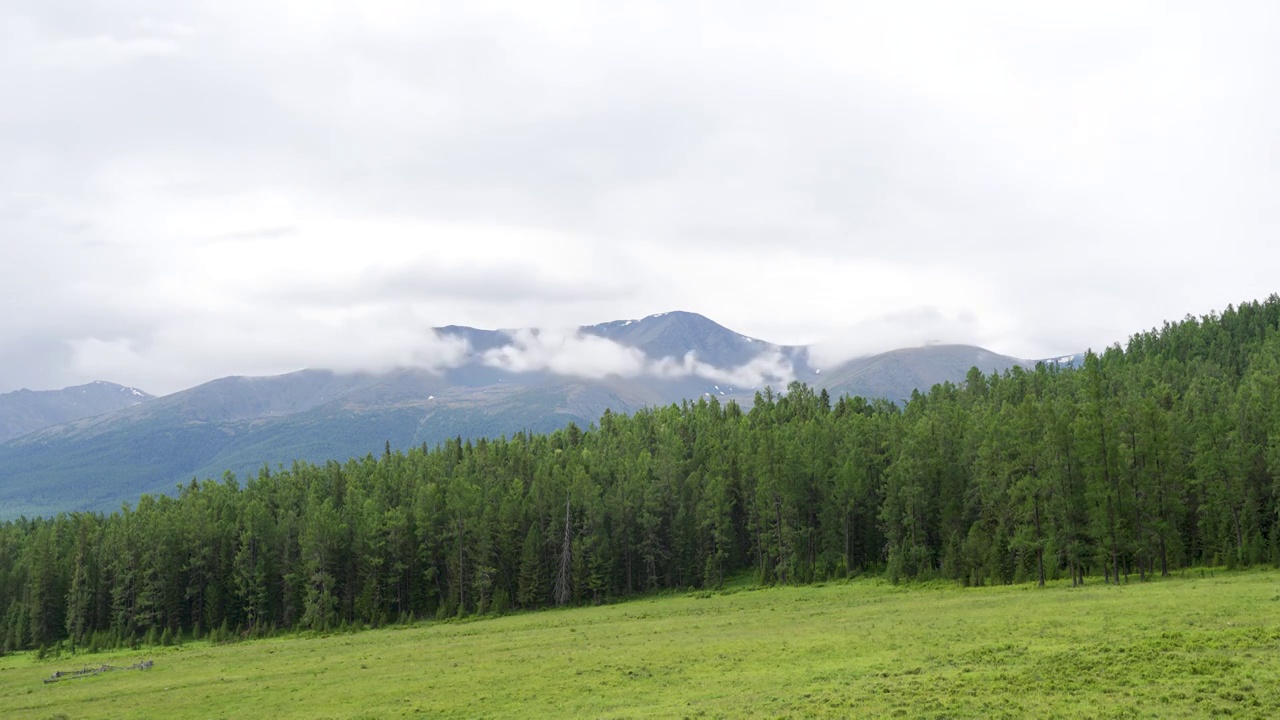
[98, 460]
[895, 374]
[97, 463]
[26, 411]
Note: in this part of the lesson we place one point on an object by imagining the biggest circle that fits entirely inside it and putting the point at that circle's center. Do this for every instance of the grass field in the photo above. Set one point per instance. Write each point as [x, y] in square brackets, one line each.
[1188, 646]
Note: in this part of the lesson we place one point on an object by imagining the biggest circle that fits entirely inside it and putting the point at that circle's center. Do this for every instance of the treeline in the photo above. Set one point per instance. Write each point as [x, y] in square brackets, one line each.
[1149, 458]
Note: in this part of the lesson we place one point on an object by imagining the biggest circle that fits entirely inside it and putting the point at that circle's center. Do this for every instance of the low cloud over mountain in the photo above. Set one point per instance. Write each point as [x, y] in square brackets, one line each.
[578, 353]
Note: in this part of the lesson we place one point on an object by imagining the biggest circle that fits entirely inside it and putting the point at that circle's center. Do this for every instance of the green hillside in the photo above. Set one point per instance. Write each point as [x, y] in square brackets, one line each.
[1194, 645]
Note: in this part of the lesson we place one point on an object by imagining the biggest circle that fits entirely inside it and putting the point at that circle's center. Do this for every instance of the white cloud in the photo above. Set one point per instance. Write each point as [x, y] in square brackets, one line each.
[768, 368]
[579, 354]
[567, 353]
[87, 53]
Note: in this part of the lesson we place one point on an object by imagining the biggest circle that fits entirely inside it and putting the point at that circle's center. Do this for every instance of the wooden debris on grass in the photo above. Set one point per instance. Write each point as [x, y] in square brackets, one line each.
[86, 672]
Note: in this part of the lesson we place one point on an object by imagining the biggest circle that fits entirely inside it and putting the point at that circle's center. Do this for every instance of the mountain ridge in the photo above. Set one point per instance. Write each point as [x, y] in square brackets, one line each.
[24, 411]
[243, 423]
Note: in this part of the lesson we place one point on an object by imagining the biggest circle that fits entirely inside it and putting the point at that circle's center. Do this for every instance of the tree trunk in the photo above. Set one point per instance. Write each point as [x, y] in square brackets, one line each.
[1235, 516]
[1039, 543]
[1115, 546]
[848, 544]
[626, 542]
[564, 581]
[1135, 471]
[461, 584]
[1164, 552]
[782, 556]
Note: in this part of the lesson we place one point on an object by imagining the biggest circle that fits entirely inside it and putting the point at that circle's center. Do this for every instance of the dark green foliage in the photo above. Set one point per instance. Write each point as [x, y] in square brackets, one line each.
[1143, 461]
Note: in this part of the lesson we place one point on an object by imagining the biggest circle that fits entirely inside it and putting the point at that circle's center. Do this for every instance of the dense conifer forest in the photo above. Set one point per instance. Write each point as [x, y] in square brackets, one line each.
[1149, 458]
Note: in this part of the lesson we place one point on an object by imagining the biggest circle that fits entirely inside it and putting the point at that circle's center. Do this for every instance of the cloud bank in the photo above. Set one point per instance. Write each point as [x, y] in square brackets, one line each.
[192, 189]
[347, 342]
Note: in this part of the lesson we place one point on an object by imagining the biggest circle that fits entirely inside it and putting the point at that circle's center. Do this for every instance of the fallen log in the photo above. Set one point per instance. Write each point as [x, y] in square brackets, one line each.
[86, 672]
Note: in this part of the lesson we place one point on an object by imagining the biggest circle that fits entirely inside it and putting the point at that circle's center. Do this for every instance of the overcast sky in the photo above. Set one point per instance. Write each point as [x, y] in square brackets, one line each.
[194, 189]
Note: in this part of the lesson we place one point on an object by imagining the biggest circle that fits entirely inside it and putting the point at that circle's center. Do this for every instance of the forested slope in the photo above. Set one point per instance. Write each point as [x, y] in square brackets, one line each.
[1148, 458]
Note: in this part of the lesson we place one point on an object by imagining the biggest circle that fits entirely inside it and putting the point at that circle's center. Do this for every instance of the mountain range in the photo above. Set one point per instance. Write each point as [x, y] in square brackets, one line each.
[94, 446]
[26, 411]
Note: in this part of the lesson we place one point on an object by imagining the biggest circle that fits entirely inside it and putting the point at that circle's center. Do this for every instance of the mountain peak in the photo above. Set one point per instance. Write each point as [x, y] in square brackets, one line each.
[114, 387]
[678, 332]
[673, 333]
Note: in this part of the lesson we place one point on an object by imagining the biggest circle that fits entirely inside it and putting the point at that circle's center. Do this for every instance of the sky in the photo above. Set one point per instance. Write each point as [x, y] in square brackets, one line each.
[191, 189]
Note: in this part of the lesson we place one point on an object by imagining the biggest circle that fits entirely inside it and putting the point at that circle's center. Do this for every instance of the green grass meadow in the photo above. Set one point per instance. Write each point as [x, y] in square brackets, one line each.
[1187, 646]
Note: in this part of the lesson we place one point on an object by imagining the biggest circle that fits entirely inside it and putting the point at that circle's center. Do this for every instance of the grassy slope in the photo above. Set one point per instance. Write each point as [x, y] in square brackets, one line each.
[1175, 648]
